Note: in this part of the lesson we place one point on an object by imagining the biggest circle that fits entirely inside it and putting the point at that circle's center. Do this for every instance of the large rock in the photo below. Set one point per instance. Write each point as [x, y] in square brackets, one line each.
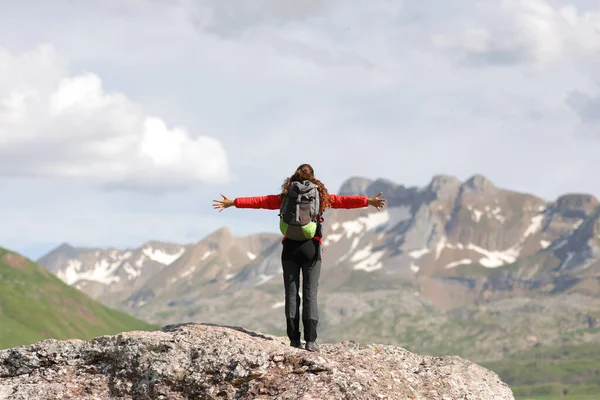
[201, 361]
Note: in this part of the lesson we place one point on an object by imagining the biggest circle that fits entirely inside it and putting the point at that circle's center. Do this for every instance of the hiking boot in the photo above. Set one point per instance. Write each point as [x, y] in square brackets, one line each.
[296, 343]
[312, 346]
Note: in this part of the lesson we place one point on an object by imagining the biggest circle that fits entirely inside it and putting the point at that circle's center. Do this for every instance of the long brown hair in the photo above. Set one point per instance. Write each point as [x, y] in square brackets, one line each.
[306, 173]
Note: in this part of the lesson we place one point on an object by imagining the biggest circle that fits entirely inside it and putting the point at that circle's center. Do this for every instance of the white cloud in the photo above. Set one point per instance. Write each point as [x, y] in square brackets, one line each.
[529, 31]
[57, 124]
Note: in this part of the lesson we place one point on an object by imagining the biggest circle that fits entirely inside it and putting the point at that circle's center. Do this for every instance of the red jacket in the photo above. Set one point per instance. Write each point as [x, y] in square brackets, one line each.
[273, 202]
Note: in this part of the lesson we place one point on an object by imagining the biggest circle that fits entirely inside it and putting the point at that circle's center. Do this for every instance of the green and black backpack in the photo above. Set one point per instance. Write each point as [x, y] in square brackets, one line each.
[299, 211]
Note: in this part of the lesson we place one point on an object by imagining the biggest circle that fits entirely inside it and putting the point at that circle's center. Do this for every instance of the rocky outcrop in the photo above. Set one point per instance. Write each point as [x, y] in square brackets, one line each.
[200, 361]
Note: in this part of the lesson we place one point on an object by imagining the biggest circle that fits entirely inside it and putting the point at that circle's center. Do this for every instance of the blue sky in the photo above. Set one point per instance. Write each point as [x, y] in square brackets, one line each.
[121, 120]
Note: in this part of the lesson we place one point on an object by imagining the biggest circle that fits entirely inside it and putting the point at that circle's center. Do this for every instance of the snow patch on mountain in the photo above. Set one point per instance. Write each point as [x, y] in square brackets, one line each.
[495, 213]
[465, 261]
[475, 213]
[367, 260]
[489, 213]
[535, 226]
[544, 243]
[102, 272]
[70, 273]
[440, 247]
[494, 259]
[491, 259]
[140, 261]
[370, 263]
[415, 268]
[390, 218]
[362, 253]
[332, 238]
[455, 246]
[251, 255]
[418, 253]
[206, 255]
[110, 266]
[132, 273]
[161, 256]
[353, 227]
[188, 272]
[500, 218]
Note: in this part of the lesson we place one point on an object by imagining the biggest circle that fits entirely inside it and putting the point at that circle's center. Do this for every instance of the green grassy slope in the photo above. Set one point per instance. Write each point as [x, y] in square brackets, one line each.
[36, 305]
[550, 372]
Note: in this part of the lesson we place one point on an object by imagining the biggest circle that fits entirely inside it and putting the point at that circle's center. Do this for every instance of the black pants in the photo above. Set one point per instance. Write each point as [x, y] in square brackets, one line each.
[305, 257]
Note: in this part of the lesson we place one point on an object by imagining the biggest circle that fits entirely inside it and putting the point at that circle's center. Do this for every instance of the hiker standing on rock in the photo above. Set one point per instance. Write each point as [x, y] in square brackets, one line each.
[301, 204]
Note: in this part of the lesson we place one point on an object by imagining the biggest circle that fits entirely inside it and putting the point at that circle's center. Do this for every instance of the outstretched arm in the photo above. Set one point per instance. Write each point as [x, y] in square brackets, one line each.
[270, 202]
[356, 201]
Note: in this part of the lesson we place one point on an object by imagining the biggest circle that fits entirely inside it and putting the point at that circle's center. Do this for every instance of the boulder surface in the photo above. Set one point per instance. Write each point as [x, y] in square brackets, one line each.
[204, 361]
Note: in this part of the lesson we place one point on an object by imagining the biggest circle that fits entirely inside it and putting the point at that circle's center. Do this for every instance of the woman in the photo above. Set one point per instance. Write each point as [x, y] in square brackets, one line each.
[302, 255]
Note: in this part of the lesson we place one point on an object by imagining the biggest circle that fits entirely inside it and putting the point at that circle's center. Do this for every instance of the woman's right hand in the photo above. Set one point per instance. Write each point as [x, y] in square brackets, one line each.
[222, 204]
[376, 202]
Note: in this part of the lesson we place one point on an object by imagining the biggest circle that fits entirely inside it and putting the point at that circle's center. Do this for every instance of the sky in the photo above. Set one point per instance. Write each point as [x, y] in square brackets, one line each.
[121, 120]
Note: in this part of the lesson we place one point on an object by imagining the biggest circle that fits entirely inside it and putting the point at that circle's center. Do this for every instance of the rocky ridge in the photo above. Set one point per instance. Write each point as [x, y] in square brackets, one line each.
[451, 241]
[203, 361]
[438, 239]
[104, 274]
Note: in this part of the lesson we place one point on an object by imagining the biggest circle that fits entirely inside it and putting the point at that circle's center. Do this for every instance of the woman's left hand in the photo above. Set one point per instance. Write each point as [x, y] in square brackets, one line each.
[376, 202]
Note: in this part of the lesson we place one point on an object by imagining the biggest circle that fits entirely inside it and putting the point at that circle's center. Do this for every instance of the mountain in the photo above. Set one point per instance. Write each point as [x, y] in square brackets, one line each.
[460, 243]
[35, 305]
[203, 361]
[204, 271]
[110, 274]
[466, 258]
[156, 273]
